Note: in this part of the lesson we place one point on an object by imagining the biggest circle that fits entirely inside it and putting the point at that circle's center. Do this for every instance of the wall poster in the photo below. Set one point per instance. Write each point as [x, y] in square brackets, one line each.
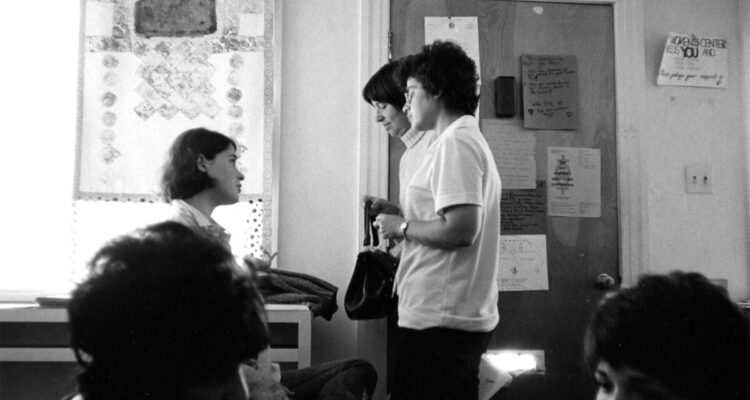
[524, 212]
[574, 182]
[151, 69]
[523, 263]
[550, 91]
[513, 149]
[690, 60]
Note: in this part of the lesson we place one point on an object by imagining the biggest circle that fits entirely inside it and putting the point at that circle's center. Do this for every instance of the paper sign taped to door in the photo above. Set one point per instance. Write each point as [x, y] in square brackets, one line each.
[463, 31]
[574, 177]
[550, 91]
[523, 263]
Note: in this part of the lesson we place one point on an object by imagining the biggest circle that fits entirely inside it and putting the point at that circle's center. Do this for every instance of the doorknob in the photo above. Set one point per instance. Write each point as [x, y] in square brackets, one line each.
[604, 282]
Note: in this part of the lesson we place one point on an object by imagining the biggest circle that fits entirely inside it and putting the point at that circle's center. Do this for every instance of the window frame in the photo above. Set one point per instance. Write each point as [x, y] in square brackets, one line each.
[269, 197]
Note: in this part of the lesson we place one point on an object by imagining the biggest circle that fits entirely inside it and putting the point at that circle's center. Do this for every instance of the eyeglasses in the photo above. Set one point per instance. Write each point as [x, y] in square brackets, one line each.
[409, 94]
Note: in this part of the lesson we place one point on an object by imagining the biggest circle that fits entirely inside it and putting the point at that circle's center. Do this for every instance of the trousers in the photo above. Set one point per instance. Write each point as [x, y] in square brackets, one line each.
[437, 364]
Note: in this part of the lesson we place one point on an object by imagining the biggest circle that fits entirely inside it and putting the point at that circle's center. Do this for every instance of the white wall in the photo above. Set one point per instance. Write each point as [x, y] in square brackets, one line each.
[326, 142]
[704, 233]
[318, 171]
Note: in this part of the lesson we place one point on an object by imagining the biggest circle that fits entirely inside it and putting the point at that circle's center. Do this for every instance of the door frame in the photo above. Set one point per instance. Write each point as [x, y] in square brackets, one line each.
[630, 81]
[372, 144]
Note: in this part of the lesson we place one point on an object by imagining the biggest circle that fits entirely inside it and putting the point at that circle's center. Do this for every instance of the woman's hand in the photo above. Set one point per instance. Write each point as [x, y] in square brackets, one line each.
[263, 387]
[382, 206]
[389, 226]
[457, 226]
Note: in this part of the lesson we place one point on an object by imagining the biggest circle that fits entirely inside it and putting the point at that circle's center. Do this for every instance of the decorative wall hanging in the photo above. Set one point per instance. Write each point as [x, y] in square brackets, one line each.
[151, 69]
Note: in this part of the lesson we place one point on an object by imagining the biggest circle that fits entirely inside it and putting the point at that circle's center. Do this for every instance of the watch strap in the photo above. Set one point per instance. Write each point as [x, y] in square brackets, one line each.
[404, 226]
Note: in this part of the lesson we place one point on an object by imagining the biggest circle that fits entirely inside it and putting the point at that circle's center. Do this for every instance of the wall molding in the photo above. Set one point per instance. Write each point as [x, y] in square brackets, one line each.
[373, 163]
[373, 142]
[632, 171]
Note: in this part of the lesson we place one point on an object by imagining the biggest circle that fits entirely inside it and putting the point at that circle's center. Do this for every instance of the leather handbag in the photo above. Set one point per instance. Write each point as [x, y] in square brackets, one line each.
[370, 291]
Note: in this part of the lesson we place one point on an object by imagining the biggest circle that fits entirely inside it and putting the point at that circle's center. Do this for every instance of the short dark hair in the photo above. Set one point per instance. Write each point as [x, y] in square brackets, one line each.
[162, 308]
[181, 178]
[383, 86]
[444, 69]
[679, 329]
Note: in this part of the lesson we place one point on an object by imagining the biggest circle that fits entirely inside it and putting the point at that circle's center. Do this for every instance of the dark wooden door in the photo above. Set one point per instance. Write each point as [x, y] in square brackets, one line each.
[578, 249]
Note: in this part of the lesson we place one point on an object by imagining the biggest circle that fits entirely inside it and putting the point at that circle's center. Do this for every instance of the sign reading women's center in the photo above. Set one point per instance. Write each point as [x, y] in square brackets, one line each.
[690, 60]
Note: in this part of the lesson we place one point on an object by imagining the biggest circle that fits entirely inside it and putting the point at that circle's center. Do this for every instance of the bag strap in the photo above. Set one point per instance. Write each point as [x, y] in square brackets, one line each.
[369, 219]
[368, 203]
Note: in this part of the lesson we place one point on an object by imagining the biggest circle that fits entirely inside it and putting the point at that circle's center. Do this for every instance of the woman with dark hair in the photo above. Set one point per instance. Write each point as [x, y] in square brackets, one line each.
[384, 93]
[447, 278]
[675, 336]
[165, 314]
[201, 174]
[383, 88]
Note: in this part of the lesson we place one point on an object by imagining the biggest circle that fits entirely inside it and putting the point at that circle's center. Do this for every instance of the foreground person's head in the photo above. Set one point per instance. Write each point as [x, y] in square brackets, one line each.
[675, 336]
[164, 313]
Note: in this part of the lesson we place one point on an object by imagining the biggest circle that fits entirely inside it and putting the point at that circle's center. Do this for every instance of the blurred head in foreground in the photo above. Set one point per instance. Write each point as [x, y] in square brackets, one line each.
[675, 336]
[164, 313]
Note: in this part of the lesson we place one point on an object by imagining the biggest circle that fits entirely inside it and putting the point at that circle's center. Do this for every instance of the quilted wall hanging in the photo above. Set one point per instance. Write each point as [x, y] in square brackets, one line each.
[151, 69]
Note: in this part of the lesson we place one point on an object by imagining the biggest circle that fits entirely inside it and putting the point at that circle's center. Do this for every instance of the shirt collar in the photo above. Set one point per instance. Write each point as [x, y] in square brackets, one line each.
[465, 120]
[412, 137]
[201, 219]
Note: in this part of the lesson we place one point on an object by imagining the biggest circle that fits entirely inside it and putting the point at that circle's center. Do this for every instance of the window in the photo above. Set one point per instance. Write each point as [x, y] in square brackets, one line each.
[136, 92]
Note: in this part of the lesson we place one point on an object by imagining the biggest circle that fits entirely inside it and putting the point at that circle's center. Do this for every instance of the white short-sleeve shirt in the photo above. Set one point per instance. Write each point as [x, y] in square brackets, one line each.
[454, 289]
[417, 147]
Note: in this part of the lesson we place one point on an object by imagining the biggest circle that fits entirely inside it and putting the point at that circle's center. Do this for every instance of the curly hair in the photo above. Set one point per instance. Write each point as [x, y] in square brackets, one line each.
[444, 69]
[679, 329]
[383, 86]
[162, 308]
[181, 177]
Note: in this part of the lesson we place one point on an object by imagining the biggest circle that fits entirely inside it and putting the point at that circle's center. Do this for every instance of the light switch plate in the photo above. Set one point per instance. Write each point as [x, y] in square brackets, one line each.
[698, 178]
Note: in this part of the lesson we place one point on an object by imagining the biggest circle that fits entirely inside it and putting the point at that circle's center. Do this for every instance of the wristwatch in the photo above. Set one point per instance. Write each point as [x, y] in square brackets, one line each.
[402, 228]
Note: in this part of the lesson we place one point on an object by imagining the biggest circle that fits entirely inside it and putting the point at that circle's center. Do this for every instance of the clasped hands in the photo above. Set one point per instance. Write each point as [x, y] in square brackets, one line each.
[388, 220]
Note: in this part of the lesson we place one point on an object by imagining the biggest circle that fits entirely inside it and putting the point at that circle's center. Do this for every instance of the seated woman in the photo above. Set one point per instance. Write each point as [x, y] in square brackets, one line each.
[201, 174]
[675, 336]
[165, 314]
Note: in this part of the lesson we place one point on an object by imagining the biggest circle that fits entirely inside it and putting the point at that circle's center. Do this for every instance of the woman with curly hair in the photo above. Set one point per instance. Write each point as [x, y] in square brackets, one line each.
[447, 278]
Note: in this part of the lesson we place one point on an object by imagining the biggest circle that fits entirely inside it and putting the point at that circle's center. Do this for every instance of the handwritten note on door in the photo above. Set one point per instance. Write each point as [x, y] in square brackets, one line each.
[514, 153]
[550, 91]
